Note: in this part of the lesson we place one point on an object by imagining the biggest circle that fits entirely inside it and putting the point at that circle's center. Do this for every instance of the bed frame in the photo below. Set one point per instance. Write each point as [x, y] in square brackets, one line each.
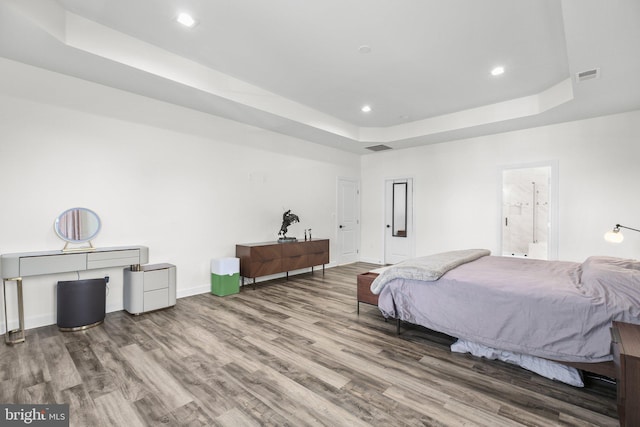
[606, 369]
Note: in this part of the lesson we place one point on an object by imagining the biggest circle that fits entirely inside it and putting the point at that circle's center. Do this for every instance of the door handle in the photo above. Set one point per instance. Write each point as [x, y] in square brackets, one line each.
[340, 226]
[388, 226]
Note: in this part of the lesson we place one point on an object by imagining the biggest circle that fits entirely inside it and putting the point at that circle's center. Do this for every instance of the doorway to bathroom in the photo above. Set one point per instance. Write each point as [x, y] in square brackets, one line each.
[529, 212]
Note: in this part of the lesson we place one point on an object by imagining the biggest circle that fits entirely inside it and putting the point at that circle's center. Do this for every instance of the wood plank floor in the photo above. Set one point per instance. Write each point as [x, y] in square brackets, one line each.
[290, 353]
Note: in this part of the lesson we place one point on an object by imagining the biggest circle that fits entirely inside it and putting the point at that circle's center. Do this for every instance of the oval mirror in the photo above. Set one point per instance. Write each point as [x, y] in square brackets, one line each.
[77, 225]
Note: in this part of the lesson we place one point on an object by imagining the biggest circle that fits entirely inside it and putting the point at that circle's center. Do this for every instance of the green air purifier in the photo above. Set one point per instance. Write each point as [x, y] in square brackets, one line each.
[225, 276]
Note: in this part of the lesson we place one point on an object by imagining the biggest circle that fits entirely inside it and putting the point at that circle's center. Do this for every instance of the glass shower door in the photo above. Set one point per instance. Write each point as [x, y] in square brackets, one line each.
[525, 212]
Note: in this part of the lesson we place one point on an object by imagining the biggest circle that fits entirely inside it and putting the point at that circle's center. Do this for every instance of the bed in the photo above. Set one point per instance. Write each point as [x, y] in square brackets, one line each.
[529, 312]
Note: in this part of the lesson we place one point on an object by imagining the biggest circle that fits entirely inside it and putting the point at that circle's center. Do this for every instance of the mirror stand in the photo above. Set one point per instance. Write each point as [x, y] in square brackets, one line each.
[83, 248]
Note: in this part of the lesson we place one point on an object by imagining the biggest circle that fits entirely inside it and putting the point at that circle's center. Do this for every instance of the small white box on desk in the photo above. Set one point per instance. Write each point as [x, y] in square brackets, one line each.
[225, 266]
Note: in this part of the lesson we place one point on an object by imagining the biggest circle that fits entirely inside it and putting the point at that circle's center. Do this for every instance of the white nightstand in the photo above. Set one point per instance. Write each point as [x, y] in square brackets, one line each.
[151, 288]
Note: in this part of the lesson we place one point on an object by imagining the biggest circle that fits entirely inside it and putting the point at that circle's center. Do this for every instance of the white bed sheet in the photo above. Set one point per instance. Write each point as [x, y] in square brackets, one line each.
[547, 368]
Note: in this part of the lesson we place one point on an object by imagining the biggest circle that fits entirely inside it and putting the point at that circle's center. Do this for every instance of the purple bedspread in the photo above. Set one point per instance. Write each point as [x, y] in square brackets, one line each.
[552, 309]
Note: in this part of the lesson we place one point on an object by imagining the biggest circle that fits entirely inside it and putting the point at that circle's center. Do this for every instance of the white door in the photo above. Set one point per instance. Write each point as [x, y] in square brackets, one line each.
[348, 221]
[399, 233]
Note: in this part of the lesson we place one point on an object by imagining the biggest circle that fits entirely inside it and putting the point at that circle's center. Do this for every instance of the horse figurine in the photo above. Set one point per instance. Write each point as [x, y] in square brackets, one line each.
[287, 219]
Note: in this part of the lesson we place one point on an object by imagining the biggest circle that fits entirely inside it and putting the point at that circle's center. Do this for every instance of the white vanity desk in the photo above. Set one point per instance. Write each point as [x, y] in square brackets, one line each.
[15, 266]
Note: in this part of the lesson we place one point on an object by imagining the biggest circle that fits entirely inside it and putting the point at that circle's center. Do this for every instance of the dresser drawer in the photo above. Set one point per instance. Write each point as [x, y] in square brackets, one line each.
[292, 249]
[33, 266]
[318, 246]
[295, 262]
[113, 258]
[318, 258]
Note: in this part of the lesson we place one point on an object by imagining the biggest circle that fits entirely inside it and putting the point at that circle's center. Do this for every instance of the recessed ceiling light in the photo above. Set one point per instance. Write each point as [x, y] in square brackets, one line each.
[497, 71]
[186, 20]
[364, 49]
[366, 108]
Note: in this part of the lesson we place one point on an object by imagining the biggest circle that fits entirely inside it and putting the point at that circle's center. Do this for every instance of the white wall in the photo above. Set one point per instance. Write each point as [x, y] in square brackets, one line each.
[456, 187]
[187, 185]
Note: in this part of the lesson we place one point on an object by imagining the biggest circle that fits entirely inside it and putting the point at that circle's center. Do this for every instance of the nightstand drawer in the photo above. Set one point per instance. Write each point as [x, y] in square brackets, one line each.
[156, 279]
[154, 300]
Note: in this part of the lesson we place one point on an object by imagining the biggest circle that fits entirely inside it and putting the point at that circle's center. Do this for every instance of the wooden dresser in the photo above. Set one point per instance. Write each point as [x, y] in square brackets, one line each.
[263, 259]
[626, 357]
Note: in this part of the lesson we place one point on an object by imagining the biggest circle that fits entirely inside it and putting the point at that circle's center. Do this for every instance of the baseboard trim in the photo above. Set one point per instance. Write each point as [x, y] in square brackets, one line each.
[372, 261]
[196, 290]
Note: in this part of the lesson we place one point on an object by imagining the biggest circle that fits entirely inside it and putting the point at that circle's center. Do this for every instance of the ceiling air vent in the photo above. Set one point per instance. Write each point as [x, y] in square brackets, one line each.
[378, 147]
[588, 75]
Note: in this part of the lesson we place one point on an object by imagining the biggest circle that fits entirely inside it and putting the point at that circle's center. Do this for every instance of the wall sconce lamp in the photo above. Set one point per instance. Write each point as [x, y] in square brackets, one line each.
[615, 236]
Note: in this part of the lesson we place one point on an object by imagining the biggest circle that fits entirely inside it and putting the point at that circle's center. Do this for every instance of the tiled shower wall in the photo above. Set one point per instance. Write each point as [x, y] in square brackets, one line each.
[525, 210]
